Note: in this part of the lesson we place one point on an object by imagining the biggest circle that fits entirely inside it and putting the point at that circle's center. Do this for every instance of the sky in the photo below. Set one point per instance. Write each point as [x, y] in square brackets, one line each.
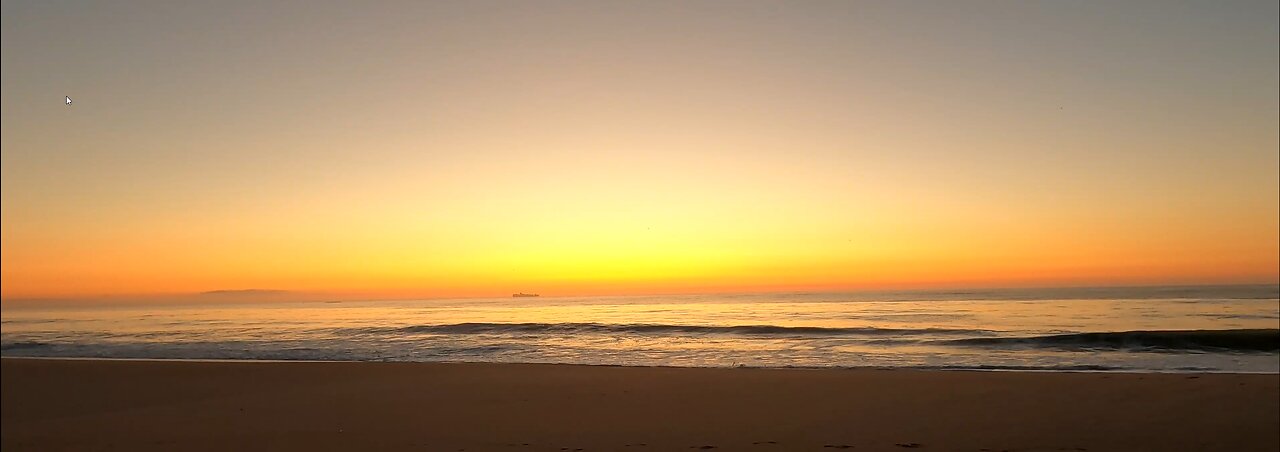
[408, 149]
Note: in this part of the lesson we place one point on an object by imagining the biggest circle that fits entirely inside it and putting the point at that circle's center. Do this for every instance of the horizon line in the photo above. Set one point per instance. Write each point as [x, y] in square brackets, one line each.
[229, 296]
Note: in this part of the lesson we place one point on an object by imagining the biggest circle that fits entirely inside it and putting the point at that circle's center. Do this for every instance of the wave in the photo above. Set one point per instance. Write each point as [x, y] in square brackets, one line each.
[644, 328]
[1061, 368]
[1255, 340]
[23, 345]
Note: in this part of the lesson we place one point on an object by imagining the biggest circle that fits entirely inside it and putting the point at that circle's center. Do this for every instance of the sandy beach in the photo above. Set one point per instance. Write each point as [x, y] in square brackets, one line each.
[154, 405]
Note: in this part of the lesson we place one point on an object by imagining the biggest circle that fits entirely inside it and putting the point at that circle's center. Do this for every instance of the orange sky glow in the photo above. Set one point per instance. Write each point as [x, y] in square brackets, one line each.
[430, 149]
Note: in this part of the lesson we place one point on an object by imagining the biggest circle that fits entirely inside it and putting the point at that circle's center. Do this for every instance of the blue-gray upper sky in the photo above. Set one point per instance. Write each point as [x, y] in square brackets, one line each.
[272, 144]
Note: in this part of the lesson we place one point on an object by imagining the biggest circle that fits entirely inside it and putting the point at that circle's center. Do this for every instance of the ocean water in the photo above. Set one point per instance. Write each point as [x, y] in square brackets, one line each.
[1150, 329]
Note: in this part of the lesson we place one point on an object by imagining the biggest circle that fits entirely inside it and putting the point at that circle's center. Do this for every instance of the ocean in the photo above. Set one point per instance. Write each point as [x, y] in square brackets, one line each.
[1129, 329]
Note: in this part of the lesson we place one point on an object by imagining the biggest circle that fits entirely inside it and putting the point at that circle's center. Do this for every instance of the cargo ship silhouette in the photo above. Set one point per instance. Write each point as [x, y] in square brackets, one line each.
[522, 294]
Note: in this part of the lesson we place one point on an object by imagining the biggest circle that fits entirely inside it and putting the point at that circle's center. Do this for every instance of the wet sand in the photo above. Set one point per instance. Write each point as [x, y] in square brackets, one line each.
[152, 405]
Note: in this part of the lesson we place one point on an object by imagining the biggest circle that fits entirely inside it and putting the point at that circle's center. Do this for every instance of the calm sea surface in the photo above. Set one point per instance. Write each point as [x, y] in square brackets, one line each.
[1167, 329]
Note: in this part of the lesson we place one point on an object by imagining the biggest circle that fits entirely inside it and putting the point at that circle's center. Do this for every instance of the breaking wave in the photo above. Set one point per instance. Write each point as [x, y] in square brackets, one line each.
[743, 330]
[1257, 340]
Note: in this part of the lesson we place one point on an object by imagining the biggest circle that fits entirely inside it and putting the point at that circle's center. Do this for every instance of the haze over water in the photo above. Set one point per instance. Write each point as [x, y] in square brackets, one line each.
[1035, 329]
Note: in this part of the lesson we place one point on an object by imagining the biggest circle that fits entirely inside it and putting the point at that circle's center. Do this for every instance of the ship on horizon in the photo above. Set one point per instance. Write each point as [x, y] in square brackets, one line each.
[522, 295]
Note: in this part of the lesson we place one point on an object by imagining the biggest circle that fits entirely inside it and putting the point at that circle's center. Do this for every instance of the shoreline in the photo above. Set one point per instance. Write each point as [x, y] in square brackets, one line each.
[79, 404]
[831, 368]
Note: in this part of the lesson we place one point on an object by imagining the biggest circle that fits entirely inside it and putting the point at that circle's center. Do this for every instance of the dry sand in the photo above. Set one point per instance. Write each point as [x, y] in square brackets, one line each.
[152, 405]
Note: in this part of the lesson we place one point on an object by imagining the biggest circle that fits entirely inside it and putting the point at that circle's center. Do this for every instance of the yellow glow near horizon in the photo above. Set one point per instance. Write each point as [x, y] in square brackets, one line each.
[624, 148]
